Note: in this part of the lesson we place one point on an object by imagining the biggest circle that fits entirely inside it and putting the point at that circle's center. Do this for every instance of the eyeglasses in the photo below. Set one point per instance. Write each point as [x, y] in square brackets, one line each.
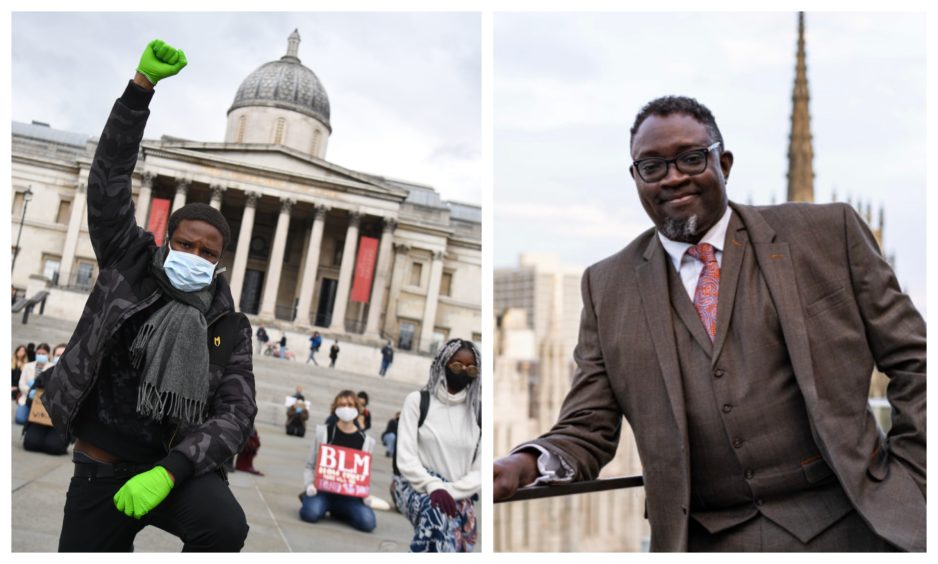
[457, 367]
[690, 162]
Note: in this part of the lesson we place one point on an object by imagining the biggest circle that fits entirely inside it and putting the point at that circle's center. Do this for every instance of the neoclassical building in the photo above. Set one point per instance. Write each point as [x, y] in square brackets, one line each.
[315, 245]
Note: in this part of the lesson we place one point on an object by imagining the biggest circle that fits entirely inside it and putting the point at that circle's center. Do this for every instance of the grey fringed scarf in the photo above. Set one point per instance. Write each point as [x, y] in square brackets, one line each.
[170, 350]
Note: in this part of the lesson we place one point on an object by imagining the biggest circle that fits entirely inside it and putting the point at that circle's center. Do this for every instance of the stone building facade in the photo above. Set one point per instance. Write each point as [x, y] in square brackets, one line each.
[315, 245]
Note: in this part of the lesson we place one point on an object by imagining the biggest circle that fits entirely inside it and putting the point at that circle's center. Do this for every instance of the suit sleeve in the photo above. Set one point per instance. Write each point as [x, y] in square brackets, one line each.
[111, 222]
[896, 334]
[587, 430]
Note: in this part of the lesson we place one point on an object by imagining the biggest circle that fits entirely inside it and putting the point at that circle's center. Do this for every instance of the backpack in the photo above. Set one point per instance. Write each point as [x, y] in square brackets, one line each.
[424, 408]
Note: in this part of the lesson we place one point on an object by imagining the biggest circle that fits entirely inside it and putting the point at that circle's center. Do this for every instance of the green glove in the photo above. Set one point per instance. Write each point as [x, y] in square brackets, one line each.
[143, 492]
[159, 61]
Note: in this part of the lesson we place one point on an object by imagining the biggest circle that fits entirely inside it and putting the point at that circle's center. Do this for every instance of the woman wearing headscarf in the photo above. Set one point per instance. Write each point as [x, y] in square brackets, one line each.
[438, 458]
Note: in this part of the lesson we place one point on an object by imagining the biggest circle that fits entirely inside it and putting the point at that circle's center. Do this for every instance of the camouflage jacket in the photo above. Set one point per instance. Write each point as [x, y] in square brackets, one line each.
[125, 287]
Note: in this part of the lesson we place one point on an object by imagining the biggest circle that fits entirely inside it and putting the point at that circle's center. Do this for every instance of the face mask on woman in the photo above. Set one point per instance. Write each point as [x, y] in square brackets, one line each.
[457, 380]
[42, 358]
[346, 413]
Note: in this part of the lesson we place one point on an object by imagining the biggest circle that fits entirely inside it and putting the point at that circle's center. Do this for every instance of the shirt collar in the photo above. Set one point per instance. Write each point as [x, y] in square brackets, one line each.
[716, 236]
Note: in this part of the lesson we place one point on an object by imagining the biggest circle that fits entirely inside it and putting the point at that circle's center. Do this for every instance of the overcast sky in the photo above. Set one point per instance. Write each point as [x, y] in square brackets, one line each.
[568, 86]
[404, 89]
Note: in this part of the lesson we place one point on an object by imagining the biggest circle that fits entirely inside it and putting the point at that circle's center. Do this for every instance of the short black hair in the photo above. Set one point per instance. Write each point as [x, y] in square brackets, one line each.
[364, 395]
[201, 212]
[667, 105]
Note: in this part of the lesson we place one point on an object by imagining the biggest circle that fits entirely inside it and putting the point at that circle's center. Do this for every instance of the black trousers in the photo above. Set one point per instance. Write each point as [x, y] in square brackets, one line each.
[202, 512]
[39, 438]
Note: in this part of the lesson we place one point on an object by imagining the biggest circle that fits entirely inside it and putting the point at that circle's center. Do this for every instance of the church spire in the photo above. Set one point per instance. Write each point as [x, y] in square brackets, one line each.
[800, 149]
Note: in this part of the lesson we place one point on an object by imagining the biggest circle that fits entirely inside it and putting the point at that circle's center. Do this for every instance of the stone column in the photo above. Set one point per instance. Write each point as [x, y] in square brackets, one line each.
[433, 294]
[244, 245]
[71, 235]
[143, 199]
[308, 281]
[381, 278]
[182, 188]
[272, 284]
[217, 191]
[402, 251]
[345, 273]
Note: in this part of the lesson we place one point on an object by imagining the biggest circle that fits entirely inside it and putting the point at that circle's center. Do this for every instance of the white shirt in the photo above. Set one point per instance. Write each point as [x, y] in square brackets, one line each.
[687, 266]
[27, 375]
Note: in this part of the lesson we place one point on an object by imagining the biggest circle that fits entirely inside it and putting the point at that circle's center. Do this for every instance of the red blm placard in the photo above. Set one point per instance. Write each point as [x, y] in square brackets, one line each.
[343, 471]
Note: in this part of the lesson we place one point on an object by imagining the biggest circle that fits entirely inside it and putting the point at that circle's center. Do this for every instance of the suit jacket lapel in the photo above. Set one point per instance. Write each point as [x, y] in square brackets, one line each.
[734, 251]
[653, 284]
[774, 260]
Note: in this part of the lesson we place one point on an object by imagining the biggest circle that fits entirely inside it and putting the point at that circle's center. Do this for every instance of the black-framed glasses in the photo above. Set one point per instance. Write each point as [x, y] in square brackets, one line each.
[690, 162]
[457, 367]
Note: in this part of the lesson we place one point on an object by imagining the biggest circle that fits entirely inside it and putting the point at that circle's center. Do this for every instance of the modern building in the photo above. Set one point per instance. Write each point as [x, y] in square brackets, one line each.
[360, 256]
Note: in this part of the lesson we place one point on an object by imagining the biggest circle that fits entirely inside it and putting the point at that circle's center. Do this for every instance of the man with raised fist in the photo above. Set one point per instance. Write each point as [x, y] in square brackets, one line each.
[156, 385]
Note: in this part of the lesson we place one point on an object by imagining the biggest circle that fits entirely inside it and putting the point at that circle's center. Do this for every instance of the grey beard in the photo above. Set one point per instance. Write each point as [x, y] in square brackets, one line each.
[679, 230]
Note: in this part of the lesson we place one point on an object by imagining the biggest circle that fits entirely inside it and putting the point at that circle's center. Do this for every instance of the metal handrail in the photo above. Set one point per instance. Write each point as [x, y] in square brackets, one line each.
[26, 306]
[573, 488]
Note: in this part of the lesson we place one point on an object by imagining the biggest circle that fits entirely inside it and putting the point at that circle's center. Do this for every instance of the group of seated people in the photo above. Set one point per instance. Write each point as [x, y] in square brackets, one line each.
[434, 442]
[29, 365]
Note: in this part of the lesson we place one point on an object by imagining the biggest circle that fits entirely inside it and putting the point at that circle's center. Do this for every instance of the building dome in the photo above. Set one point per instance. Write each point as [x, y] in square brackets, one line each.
[285, 84]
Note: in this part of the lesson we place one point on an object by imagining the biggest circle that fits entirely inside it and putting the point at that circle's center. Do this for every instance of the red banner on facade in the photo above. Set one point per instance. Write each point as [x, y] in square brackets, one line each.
[159, 217]
[364, 269]
[343, 471]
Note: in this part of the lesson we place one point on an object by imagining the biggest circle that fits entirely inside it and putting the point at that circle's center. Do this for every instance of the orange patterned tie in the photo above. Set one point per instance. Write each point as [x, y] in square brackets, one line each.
[708, 286]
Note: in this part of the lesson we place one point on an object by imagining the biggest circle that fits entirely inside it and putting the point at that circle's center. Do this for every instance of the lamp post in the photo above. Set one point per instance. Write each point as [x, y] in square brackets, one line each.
[27, 196]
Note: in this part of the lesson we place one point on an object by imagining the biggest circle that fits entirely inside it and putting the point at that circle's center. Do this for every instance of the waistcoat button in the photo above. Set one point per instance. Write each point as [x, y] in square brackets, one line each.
[727, 408]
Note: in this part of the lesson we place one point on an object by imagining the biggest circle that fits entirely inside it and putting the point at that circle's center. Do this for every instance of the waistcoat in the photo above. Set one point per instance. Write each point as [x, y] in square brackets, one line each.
[752, 448]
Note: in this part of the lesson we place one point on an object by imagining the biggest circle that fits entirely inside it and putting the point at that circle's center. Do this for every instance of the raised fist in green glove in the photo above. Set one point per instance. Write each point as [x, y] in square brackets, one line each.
[160, 60]
[143, 492]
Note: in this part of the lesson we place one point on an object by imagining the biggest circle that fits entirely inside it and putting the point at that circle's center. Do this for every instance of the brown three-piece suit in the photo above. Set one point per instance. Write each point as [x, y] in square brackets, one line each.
[770, 420]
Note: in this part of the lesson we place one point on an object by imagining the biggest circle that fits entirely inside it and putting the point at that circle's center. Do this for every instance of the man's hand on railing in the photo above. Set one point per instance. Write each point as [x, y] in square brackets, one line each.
[512, 472]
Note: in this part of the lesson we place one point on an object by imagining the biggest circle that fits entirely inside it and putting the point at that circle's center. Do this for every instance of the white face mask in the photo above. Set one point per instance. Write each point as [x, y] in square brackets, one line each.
[188, 272]
[346, 413]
